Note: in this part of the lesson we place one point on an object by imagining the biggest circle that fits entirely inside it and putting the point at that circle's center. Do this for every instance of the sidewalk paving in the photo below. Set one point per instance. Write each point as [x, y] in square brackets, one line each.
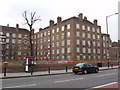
[42, 73]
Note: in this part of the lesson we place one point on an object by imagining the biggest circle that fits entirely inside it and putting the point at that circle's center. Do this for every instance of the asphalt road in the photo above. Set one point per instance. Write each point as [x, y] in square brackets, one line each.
[85, 81]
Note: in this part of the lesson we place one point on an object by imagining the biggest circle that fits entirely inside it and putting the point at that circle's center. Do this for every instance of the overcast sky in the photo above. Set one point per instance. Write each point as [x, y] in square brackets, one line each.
[11, 12]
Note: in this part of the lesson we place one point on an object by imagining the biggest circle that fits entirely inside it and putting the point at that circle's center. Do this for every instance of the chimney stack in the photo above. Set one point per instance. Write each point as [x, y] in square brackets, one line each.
[80, 16]
[85, 18]
[17, 26]
[40, 29]
[59, 19]
[95, 22]
[51, 23]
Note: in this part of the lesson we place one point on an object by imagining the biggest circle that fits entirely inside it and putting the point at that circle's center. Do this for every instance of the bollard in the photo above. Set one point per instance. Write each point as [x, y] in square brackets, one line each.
[49, 70]
[31, 69]
[66, 69]
[4, 71]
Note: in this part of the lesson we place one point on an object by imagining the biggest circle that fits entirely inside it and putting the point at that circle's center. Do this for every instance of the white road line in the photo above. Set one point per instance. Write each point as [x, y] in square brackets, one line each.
[105, 85]
[21, 86]
[105, 75]
[68, 80]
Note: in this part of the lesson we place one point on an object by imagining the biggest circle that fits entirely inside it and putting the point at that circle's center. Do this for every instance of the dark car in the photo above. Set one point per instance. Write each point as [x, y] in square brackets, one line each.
[85, 68]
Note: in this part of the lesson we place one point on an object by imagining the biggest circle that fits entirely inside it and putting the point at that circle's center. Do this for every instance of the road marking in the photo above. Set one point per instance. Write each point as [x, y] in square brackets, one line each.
[105, 85]
[21, 86]
[68, 80]
[105, 75]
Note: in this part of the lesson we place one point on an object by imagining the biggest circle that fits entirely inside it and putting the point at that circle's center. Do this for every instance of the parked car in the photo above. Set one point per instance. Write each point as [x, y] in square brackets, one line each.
[85, 68]
[65, 62]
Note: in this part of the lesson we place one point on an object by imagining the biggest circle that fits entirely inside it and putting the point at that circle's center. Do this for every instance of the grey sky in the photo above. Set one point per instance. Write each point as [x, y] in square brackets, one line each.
[11, 12]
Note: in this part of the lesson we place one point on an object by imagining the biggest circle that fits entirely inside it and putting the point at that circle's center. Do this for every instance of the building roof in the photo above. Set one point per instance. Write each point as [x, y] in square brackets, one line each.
[7, 28]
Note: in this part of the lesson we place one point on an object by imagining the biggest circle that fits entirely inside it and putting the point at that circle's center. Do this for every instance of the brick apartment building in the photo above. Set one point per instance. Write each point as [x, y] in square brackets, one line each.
[14, 42]
[114, 52]
[75, 39]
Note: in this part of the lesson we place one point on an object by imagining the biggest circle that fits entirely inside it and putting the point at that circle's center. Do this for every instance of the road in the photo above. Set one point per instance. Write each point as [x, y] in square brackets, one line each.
[85, 81]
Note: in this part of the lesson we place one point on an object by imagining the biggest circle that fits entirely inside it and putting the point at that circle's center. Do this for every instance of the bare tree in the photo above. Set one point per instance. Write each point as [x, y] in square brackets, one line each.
[30, 19]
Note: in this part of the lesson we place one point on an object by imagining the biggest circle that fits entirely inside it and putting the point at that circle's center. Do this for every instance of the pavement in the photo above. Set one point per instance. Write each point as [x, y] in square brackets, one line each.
[43, 73]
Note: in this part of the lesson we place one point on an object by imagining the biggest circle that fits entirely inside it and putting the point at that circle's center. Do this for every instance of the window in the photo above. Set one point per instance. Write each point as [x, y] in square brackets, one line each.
[48, 32]
[93, 29]
[44, 33]
[19, 35]
[57, 36]
[88, 35]
[98, 44]
[89, 43]
[63, 35]
[44, 39]
[68, 50]
[53, 38]
[94, 51]
[7, 46]
[103, 37]
[7, 34]
[68, 34]
[78, 57]
[98, 37]
[41, 34]
[53, 51]
[57, 51]
[94, 44]
[98, 50]
[84, 50]
[53, 31]
[83, 27]
[57, 29]
[13, 40]
[63, 57]
[19, 52]
[7, 40]
[83, 42]
[57, 44]
[68, 57]
[63, 50]
[78, 49]
[77, 34]
[83, 34]
[53, 45]
[89, 50]
[48, 39]
[14, 35]
[1, 33]
[78, 42]
[63, 43]
[88, 28]
[77, 26]
[63, 28]
[68, 42]
[68, 26]
[93, 36]
[98, 30]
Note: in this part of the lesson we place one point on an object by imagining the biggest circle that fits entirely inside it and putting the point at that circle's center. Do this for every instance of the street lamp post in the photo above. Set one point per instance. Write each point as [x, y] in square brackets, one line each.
[108, 37]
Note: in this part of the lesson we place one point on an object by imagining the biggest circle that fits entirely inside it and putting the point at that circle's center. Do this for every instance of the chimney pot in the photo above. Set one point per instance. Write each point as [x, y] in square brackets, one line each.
[95, 21]
[80, 16]
[17, 26]
[85, 18]
[59, 19]
[51, 23]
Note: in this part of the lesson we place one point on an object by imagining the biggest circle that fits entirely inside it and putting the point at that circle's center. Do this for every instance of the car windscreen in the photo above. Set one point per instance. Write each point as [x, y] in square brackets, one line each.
[79, 64]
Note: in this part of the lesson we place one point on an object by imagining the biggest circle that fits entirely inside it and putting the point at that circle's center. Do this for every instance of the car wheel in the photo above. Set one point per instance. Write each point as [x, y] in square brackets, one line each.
[76, 72]
[85, 72]
[96, 71]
